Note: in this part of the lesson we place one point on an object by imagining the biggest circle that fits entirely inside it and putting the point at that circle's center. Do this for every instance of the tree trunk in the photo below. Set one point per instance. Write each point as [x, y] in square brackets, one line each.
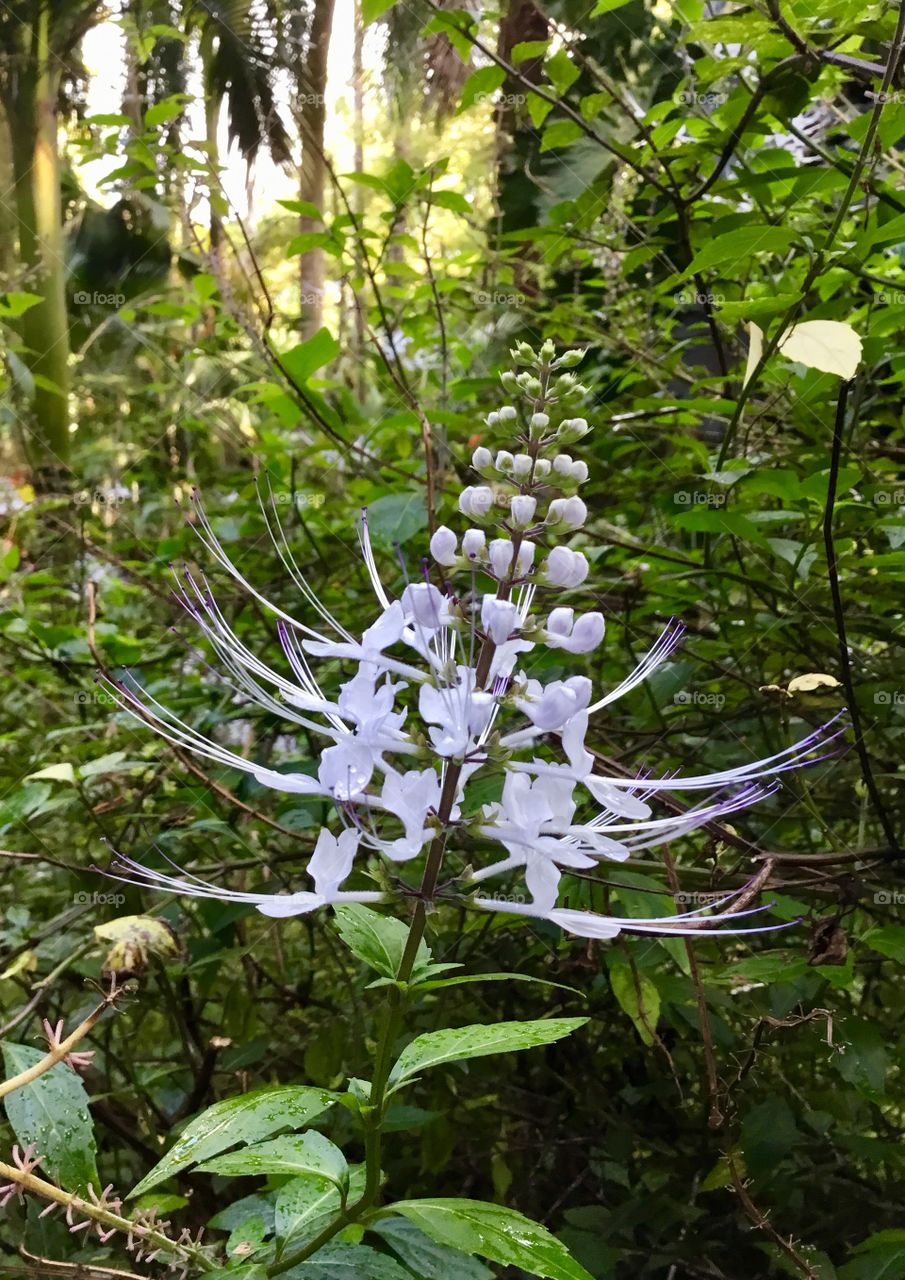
[36, 170]
[312, 90]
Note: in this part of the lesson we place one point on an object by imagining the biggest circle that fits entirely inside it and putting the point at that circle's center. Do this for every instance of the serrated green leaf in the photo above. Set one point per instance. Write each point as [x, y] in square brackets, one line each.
[494, 1232]
[478, 1041]
[246, 1118]
[52, 1112]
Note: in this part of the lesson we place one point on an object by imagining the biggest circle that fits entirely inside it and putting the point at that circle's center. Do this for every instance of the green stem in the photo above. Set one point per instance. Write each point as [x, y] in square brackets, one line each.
[397, 997]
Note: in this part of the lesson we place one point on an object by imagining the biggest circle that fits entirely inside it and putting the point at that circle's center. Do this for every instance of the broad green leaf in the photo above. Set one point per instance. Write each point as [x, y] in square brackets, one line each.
[306, 358]
[305, 1205]
[561, 71]
[889, 940]
[494, 1232]
[639, 998]
[560, 134]
[246, 1118]
[376, 939]
[397, 517]
[340, 1261]
[306, 1153]
[607, 6]
[15, 304]
[480, 86]
[478, 1041]
[167, 110]
[427, 1258]
[52, 1112]
[526, 49]
[735, 247]
[371, 10]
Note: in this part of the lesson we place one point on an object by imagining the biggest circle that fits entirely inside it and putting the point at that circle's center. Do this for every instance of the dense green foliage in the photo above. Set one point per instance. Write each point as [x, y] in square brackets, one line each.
[642, 182]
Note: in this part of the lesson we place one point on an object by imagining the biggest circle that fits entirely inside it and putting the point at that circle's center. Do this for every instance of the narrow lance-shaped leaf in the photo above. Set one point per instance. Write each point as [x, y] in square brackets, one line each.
[494, 1232]
[307, 1153]
[246, 1118]
[478, 1041]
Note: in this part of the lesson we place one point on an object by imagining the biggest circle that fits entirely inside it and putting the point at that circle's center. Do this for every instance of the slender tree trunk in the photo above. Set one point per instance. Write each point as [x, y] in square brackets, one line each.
[7, 202]
[312, 91]
[36, 166]
[358, 99]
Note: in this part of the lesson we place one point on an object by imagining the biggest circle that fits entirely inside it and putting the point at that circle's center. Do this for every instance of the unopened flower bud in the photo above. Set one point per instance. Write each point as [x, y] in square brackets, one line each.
[537, 425]
[571, 429]
[578, 472]
[521, 510]
[548, 350]
[473, 544]
[525, 558]
[476, 501]
[500, 553]
[565, 568]
[509, 380]
[481, 458]
[523, 353]
[521, 466]
[492, 419]
[561, 464]
[541, 468]
[568, 512]
[499, 618]
[508, 413]
[443, 546]
[503, 461]
[569, 359]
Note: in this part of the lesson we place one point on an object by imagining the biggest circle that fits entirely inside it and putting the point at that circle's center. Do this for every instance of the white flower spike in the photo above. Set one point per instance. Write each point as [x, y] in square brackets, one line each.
[440, 692]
